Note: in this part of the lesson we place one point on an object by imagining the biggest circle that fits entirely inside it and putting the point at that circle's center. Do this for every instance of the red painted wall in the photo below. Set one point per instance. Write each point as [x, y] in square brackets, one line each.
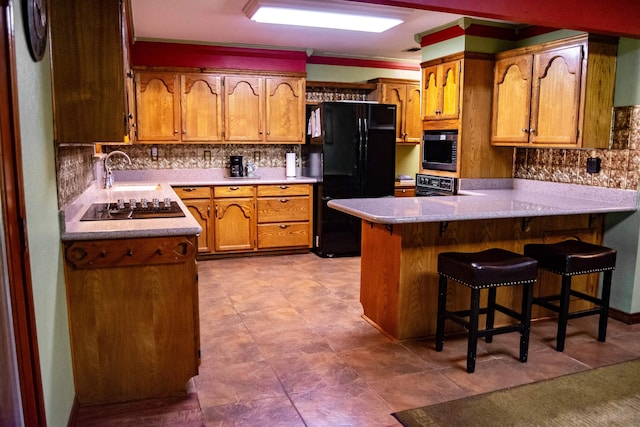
[612, 17]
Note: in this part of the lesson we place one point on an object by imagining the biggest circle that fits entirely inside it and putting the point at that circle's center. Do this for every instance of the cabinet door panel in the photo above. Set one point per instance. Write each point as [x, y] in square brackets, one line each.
[556, 96]
[450, 90]
[512, 99]
[243, 109]
[285, 110]
[413, 120]
[157, 107]
[201, 107]
[234, 225]
[430, 92]
[201, 211]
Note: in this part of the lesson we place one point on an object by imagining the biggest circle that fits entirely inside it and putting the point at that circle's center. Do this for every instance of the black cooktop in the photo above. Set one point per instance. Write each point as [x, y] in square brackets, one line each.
[110, 211]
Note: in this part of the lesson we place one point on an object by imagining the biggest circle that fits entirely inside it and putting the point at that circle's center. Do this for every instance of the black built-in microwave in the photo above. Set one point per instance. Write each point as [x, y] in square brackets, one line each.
[440, 150]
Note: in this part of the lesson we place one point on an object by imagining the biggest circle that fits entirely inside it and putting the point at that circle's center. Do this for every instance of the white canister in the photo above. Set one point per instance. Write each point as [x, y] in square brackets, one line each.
[291, 165]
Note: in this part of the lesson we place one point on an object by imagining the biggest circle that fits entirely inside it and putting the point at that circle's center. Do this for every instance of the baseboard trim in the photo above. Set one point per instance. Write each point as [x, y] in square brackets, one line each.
[74, 412]
[628, 318]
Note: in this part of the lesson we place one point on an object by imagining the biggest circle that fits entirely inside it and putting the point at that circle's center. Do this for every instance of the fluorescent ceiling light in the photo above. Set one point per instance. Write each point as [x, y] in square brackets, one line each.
[326, 14]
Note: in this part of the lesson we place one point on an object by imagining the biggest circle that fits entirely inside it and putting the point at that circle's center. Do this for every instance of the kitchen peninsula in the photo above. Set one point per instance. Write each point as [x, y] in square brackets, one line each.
[402, 237]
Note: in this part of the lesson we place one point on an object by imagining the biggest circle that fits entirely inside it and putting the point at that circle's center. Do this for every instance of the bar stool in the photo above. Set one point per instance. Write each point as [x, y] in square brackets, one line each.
[490, 269]
[571, 258]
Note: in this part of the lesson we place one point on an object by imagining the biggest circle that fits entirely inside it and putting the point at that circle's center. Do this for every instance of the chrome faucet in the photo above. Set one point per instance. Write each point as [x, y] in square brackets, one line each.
[108, 176]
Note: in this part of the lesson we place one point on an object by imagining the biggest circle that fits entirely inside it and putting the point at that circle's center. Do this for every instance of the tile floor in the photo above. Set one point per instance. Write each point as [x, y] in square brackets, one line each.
[283, 344]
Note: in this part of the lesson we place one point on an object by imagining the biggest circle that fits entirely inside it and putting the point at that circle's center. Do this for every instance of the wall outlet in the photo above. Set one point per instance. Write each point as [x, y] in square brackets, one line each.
[207, 155]
[593, 164]
[154, 153]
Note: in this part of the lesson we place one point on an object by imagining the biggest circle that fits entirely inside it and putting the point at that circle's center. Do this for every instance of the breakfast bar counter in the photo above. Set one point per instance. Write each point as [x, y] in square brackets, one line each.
[402, 237]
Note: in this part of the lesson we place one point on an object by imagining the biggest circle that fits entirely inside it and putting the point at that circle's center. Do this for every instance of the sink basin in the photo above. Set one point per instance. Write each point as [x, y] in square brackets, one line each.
[136, 187]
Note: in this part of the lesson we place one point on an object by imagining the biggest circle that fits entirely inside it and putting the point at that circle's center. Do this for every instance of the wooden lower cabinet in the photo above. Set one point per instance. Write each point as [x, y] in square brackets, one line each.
[198, 201]
[284, 216]
[399, 279]
[133, 317]
[251, 218]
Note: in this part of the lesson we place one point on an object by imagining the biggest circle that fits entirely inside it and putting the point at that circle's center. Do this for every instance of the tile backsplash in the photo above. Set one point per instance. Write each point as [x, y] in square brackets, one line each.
[76, 165]
[620, 165]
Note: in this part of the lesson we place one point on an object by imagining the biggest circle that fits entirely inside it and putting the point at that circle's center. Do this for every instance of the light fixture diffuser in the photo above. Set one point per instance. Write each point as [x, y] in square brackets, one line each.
[325, 14]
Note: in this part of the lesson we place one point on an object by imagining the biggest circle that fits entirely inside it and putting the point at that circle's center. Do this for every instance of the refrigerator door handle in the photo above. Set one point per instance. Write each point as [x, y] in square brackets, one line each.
[365, 155]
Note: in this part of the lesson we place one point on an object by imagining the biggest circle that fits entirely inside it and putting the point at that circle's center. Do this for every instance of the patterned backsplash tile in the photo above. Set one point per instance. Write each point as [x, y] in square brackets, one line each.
[620, 165]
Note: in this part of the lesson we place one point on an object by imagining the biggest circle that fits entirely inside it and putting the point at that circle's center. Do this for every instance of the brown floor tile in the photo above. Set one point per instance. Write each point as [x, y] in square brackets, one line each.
[284, 343]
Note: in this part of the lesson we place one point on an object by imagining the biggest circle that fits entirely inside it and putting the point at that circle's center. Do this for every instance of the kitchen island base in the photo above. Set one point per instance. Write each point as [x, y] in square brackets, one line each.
[399, 278]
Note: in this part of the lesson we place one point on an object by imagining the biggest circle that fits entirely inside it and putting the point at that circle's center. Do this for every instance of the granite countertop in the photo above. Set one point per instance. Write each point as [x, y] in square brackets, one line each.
[491, 199]
[162, 181]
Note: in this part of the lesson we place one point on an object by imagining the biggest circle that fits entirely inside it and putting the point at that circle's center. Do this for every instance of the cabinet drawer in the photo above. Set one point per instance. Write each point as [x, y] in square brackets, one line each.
[193, 192]
[283, 235]
[405, 192]
[234, 191]
[283, 209]
[284, 190]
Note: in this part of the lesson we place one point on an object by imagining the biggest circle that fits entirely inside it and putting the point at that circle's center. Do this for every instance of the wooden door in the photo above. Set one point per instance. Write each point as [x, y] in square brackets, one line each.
[413, 119]
[285, 100]
[158, 107]
[430, 93]
[512, 100]
[450, 90]
[396, 94]
[243, 102]
[234, 225]
[201, 211]
[555, 97]
[201, 101]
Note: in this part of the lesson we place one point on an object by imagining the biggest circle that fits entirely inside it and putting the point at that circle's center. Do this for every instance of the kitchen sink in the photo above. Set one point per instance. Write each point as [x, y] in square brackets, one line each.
[136, 187]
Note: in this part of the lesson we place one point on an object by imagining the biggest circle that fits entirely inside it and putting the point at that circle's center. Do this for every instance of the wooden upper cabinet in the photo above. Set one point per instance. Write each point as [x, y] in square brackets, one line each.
[158, 107]
[512, 99]
[441, 91]
[555, 96]
[558, 94]
[405, 94]
[285, 101]
[90, 71]
[243, 119]
[201, 107]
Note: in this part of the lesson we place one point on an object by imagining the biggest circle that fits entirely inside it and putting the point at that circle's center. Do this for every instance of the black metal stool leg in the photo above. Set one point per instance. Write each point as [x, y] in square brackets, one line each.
[525, 321]
[442, 308]
[563, 316]
[604, 311]
[472, 344]
[491, 313]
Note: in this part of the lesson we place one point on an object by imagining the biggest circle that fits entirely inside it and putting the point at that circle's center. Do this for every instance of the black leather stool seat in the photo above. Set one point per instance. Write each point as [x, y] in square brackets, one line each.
[493, 267]
[488, 269]
[570, 258]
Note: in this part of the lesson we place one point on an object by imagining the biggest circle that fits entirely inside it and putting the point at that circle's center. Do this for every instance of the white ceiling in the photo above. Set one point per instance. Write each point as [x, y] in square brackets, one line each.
[222, 22]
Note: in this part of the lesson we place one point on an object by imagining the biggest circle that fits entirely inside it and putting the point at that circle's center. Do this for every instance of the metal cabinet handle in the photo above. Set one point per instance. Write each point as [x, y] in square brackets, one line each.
[284, 187]
[283, 226]
[284, 200]
[189, 190]
[234, 188]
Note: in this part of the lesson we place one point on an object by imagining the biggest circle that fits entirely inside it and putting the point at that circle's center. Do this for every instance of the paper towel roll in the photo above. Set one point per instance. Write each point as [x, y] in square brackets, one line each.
[291, 165]
[314, 164]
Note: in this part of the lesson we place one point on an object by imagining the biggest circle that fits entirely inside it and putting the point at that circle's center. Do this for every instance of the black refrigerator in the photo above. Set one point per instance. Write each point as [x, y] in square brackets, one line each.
[351, 152]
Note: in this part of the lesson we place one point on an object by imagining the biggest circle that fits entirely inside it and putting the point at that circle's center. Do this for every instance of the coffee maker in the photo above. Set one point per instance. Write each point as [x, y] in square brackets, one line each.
[235, 166]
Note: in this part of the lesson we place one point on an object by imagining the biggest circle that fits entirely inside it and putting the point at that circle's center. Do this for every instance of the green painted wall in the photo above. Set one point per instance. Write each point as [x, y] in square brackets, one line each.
[36, 133]
[623, 230]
